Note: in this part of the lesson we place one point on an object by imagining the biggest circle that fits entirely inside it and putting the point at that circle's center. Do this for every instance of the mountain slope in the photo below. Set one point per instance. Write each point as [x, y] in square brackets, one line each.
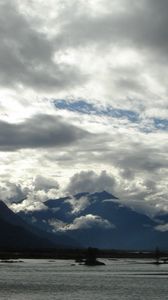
[16, 233]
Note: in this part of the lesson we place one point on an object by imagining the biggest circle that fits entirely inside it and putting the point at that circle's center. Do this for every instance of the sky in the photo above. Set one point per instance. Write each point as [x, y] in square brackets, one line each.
[83, 100]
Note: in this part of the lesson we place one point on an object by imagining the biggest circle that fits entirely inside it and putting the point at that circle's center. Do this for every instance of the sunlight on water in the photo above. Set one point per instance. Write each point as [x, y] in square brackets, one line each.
[117, 280]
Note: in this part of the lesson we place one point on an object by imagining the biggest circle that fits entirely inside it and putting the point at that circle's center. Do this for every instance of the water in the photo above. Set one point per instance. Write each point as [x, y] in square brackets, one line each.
[117, 280]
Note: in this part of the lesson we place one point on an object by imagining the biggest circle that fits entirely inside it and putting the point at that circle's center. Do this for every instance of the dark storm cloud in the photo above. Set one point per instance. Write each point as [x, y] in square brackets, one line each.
[90, 182]
[45, 184]
[137, 157]
[27, 55]
[40, 131]
[143, 25]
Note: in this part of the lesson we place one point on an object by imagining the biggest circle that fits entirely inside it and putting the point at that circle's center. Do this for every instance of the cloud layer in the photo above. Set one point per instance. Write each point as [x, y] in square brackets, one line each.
[40, 131]
[83, 100]
[27, 54]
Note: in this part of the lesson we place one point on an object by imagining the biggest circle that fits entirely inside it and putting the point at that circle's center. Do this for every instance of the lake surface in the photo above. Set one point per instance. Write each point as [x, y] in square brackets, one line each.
[65, 280]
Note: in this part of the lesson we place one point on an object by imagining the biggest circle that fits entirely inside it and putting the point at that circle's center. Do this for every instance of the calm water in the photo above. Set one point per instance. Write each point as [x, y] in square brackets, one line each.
[118, 280]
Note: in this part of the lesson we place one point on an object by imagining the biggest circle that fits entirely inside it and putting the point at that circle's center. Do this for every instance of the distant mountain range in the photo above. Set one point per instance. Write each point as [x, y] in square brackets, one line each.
[99, 220]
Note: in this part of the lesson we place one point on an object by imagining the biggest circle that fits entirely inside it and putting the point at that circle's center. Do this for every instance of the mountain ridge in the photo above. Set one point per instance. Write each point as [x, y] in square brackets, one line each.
[15, 232]
[100, 220]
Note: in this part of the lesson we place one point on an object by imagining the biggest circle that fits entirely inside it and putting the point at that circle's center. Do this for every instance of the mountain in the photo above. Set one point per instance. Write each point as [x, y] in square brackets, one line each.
[15, 233]
[100, 220]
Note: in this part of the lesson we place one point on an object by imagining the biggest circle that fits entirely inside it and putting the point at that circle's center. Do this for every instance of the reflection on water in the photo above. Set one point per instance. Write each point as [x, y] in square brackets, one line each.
[117, 280]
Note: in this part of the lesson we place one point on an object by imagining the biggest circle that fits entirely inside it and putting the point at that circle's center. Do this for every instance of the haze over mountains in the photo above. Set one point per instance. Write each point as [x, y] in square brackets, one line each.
[99, 220]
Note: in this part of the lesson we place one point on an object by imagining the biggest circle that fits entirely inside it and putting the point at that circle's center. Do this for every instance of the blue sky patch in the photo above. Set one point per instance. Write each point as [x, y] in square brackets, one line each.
[161, 124]
[84, 107]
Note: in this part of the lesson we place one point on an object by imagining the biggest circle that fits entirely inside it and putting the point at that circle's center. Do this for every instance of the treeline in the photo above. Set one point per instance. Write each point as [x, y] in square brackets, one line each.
[76, 254]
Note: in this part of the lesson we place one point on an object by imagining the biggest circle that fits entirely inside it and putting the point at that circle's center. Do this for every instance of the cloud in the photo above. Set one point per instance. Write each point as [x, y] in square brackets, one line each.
[162, 227]
[83, 222]
[28, 205]
[27, 54]
[46, 184]
[12, 192]
[79, 204]
[57, 225]
[90, 182]
[30, 195]
[140, 25]
[82, 91]
[127, 43]
[40, 131]
[89, 221]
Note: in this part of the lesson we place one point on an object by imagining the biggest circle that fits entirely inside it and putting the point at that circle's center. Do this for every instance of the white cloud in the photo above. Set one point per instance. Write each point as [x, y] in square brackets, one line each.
[89, 221]
[83, 222]
[33, 196]
[79, 204]
[57, 225]
[28, 205]
[162, 227]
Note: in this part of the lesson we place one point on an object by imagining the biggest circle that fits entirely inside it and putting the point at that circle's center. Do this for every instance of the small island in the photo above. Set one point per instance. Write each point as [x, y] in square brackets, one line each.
[91, 258]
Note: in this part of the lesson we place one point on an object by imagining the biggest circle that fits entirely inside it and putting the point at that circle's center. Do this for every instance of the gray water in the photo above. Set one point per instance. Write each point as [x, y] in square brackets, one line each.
[60, 279]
